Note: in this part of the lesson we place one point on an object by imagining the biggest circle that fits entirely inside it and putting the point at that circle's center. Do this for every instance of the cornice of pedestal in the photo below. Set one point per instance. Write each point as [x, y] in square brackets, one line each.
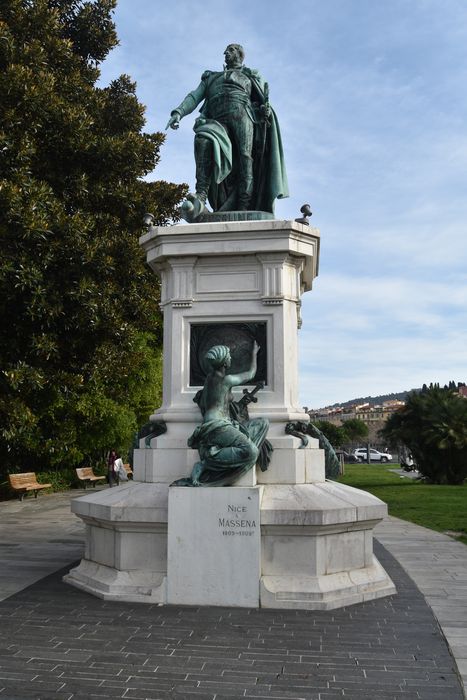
[234, 239]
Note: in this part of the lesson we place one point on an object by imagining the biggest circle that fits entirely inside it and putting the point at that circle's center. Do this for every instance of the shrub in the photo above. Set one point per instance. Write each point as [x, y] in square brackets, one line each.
[433, 426]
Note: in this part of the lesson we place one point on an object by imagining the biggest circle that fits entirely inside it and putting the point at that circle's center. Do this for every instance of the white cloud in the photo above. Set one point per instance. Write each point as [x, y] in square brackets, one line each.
[393, 334]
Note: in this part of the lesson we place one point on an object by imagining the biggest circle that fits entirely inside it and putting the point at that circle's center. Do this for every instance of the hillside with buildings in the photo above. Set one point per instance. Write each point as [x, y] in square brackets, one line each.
[372, 410]
[373, 400]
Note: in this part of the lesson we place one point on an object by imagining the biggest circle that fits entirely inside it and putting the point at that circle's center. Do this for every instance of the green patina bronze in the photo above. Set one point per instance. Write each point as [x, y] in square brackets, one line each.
[238, 147]
[228, 447]
[301, 429]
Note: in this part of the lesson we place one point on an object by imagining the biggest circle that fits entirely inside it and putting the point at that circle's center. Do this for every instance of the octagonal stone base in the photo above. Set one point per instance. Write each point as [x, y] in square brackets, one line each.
[326, 592]
[110, 584]
[315, 549]
[126, 543]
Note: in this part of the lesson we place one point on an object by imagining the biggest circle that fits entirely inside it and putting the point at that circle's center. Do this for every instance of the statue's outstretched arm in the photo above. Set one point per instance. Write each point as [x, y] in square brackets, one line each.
[243, 377]
[187, 106]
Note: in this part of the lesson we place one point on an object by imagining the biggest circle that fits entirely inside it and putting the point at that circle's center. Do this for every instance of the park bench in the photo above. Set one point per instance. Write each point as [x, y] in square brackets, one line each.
[86, 474]
[22, 483]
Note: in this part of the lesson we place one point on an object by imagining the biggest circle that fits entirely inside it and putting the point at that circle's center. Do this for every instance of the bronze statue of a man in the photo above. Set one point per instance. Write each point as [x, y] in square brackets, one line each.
[238, 147]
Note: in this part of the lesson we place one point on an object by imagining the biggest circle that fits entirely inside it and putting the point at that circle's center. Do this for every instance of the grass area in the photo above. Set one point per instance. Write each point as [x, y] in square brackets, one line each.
[440, 508]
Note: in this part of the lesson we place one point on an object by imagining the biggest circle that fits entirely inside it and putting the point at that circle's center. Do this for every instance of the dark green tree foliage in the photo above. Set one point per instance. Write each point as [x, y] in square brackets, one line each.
[334, 433]
[355, 430]
[352, 430]
[80, 325]
[433, 426]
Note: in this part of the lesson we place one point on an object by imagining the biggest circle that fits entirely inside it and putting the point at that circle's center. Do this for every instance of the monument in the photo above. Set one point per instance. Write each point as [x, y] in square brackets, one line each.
[229, 503]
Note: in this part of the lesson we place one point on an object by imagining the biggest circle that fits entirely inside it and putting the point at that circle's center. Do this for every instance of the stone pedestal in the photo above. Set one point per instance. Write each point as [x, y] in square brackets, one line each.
[317, 547]
[214, 546]
[126, 543]
[311, 545]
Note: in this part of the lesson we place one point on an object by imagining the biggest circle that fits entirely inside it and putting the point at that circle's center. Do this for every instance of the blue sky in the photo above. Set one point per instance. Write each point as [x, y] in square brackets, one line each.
[371, 97]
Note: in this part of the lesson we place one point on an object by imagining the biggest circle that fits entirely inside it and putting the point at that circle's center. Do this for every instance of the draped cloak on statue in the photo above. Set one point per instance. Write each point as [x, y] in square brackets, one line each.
[269, 174]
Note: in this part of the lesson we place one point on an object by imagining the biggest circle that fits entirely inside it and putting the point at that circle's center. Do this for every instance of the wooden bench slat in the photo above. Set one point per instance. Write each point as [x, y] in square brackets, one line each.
[86, 474]
[26, 481]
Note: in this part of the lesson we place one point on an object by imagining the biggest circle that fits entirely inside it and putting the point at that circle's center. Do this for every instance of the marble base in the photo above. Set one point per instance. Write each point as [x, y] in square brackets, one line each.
[109, 584]
[317, 547]
[126, 543]
[326, 592]
[307, 546]
[171, 459]
[214, 546]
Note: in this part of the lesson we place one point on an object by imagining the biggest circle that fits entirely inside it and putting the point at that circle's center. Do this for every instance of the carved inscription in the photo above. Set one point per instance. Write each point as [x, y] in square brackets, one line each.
[236, 522]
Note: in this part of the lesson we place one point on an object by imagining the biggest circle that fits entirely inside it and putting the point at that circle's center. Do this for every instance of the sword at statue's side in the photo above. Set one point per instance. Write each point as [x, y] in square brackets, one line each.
[265, 108]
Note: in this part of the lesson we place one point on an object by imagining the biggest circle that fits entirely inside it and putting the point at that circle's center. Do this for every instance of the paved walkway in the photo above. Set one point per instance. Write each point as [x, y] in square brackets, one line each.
[438, 566]
[38, 536]
[58, 643]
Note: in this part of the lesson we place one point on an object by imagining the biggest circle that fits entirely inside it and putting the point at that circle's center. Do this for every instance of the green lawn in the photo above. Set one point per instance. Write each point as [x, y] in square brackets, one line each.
[440, 508]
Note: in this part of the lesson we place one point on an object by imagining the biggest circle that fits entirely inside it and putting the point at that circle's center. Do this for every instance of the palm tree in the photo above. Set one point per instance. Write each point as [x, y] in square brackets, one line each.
[433, 426]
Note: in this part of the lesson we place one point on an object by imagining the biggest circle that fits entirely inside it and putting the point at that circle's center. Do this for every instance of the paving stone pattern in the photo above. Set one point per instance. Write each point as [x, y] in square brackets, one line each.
[38, 536]
[438, 566]
[60, 643]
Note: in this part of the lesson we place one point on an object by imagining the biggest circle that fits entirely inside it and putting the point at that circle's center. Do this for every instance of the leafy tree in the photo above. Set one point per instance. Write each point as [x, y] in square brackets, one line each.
[355, 430]
[81, 328]
[433, 426]
[334, 433]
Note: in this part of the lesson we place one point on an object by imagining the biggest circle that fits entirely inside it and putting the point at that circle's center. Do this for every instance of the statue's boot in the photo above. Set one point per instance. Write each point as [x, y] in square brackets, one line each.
[204, 159]
[245, 184]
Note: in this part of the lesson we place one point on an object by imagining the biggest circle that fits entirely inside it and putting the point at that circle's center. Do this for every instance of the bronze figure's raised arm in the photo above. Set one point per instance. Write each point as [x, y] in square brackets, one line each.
[238, 146]
[227, 448]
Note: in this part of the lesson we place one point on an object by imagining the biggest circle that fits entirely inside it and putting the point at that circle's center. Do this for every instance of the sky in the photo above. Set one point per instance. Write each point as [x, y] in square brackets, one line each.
[371, 97]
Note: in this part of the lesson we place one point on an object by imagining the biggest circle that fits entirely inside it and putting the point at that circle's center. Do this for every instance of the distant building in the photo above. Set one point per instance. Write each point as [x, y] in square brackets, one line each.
[374, 416]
